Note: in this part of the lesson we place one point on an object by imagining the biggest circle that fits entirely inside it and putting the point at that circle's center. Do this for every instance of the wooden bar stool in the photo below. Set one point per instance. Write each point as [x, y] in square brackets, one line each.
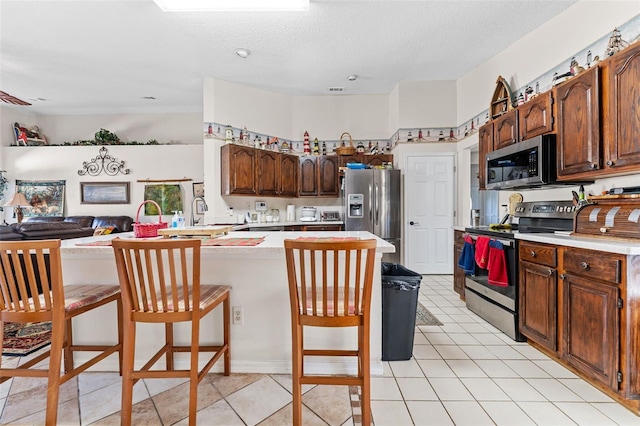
[330, 286]
[31, 267]
[160, 283]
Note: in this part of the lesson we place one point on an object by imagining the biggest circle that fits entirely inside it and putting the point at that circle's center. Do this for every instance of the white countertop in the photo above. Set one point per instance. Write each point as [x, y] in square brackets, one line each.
[273, 242]
[243, 226]
[626, 247]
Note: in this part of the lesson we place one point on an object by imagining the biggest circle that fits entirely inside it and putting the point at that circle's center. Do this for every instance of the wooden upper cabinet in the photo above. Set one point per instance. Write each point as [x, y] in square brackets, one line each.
[535, 117]
[328, 171]
[308, 176]
[578, 125]
[485, 145]
[505, 129]
[238, 170]
[268, 182]
[621, 77]
[319, 176]
[368, 159]
[288, 175]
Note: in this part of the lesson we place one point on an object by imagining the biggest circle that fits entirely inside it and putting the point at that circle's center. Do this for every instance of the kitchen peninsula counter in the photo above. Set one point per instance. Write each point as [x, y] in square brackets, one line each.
[257, 275]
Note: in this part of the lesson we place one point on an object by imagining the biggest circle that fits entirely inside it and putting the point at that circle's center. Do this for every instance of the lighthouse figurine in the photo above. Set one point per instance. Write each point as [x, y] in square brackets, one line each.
[306, 146]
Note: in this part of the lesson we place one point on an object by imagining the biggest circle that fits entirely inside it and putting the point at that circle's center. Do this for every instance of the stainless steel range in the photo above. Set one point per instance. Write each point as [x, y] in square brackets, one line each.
[498, 304]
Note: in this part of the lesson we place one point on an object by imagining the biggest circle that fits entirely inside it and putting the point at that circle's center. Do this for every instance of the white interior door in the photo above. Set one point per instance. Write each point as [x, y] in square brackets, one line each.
[429, 206]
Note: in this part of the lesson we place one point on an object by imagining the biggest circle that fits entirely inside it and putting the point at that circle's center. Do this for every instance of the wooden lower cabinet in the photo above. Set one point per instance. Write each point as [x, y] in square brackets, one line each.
[539, 304]
[585, 313]
[458, 273]
[591, 328]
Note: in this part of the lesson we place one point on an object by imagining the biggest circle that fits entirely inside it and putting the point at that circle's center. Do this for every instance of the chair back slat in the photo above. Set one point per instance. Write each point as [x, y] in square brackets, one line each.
[330, 279]
[158, 275]
[30, 276]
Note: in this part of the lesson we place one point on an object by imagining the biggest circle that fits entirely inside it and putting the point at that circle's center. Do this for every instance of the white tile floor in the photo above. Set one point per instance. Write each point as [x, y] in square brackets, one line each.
[462, 373]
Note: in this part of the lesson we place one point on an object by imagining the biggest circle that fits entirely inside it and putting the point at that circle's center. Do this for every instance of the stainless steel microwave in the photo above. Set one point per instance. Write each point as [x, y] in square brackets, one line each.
[524, 165]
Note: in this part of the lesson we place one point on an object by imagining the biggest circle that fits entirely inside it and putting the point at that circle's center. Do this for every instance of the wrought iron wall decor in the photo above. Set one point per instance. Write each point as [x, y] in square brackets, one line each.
[103, 163]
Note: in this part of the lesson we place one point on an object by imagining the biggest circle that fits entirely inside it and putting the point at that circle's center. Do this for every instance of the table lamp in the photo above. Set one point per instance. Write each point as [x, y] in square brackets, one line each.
[18, 201]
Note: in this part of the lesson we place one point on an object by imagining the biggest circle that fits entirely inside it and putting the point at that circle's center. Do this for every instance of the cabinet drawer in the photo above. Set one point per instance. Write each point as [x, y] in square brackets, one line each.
[541, 254]
[597, 265]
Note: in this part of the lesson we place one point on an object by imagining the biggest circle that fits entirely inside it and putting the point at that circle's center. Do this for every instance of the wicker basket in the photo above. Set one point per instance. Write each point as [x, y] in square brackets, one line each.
[346, 150]
[146, 230]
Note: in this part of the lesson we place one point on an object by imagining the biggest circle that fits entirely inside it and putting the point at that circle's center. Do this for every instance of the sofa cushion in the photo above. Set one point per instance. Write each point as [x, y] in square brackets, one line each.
[52, 230]
[83, 221]
[8, 233]
[103, 230]
[120, 223]
[45, 219]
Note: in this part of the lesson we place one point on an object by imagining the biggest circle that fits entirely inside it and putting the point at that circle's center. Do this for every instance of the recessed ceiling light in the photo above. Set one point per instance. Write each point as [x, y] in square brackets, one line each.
[150, 98]
[231, 5]
[243, 53]
[352, 77]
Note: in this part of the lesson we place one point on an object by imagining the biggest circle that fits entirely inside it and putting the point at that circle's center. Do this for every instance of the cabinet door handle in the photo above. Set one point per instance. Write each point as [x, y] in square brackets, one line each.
[549, 272]
[594, 166]
[610, 163]
[563, 276]
[532, 253]
[584, 265]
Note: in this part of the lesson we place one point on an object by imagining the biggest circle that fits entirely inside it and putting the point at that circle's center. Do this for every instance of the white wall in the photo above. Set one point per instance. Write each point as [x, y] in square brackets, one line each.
[62, 163]
[427, 104]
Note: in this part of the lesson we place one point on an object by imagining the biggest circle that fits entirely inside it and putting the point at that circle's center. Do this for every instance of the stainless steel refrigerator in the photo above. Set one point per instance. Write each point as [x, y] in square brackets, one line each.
[372, 202]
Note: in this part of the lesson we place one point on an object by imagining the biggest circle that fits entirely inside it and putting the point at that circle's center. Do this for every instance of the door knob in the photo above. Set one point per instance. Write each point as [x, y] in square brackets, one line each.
[413, 223]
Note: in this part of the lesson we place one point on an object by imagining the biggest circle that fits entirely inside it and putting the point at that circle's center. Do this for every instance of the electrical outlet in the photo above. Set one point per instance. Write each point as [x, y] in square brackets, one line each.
[261, 206]
[238, 317]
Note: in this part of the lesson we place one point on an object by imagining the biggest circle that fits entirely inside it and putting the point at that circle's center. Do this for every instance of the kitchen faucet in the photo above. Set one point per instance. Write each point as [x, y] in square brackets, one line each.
[204, 207]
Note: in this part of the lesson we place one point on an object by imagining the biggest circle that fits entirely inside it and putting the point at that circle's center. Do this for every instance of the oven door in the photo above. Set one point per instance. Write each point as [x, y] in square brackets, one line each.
[478, 282]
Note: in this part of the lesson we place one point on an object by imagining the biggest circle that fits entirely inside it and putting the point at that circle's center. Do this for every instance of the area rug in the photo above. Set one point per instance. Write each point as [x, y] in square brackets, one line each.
[424, 317]
[23, 339]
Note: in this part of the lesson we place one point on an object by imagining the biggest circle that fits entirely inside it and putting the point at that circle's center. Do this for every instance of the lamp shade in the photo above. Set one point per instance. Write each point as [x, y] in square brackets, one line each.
[18, 200]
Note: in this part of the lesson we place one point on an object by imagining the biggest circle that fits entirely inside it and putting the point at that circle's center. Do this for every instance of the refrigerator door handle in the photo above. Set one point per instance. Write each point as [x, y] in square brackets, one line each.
[370, 203]
[377, 206]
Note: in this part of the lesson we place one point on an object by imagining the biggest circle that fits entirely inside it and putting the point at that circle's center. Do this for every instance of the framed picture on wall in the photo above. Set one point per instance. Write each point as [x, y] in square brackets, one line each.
[200, 207]
[198, 189]
[104, 193]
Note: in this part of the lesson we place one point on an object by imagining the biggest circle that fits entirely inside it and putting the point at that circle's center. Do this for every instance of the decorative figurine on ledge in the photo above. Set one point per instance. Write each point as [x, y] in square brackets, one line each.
[616, 43]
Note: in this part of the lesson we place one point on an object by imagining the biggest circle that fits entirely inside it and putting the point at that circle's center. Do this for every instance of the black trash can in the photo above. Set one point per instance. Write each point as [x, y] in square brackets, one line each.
[400, 287]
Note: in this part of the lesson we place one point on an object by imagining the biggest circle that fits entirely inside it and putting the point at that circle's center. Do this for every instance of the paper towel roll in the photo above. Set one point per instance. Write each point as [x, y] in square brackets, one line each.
[291, 213]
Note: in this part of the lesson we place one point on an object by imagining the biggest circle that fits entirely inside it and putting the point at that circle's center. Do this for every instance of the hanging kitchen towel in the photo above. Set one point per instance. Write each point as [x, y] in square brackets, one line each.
[482, 251]
[467, 257]
[497, 264]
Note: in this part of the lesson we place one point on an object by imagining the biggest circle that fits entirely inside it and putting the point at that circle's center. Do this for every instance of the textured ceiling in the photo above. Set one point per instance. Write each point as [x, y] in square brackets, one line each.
[105, 56]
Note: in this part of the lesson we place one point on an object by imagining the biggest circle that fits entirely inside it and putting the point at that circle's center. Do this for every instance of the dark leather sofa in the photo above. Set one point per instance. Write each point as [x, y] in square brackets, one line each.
[58, 227]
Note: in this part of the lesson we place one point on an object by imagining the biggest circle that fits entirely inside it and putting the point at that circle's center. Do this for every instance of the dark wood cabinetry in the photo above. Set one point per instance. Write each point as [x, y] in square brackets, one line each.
[368, 159]
[289, 167]
[538, 294]
[238, 170]
[485, 146]
[591, 308]
[578, 125]
[621, 77]
[249, 171]
[458, 273]
[535, 117]
[505, 129]
[319, 176]
[268, 182]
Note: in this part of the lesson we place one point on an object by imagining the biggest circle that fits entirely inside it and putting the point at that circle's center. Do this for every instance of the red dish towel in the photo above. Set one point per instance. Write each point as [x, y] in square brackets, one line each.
[497, 265]
[482, 252]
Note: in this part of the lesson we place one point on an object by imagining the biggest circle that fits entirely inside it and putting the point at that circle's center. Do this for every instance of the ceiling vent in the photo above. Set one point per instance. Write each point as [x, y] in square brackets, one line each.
[336, 89]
